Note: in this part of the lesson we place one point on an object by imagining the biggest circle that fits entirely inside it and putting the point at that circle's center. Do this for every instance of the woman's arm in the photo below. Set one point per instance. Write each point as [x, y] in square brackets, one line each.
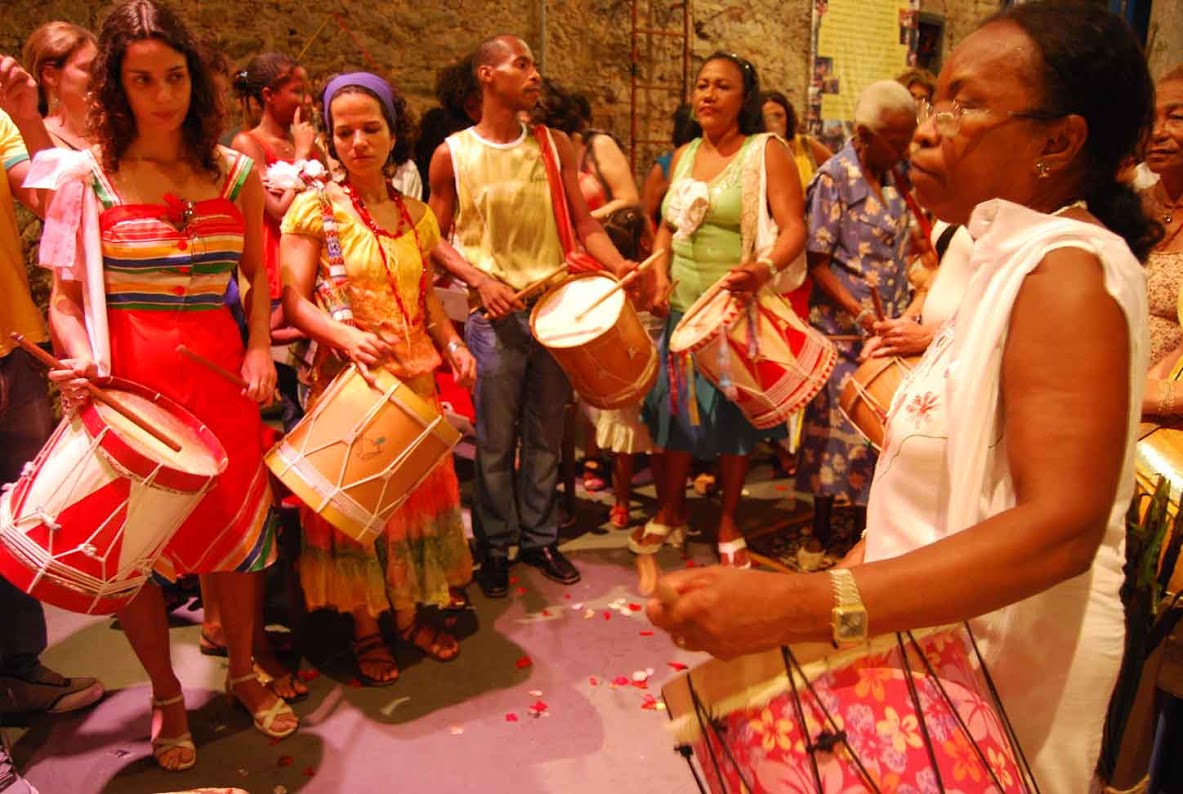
[274, 204]
[258, 370]
[617, 175]
[653, 192]
[818, 149]
[1066, 397]
[825, 280]
[68, 326]
[787, 204]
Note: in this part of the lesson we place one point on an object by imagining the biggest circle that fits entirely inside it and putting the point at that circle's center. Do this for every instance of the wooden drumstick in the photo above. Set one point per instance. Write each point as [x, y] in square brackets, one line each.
[217, 369]
[526, 290]
[623, 283]
[97, 394]
[877, 300]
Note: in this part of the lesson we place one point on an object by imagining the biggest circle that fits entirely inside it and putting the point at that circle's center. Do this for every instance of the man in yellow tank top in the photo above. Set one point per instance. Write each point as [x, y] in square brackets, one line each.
[489, 189]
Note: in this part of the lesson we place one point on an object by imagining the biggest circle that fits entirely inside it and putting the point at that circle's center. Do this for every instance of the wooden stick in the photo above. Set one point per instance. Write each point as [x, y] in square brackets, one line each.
[99, 395]
[217, 369]
[845, 337]
[877, 299]
[623, 283]
[526, 290]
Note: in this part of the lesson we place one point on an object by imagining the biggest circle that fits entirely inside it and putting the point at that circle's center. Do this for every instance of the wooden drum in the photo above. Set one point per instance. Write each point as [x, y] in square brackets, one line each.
[360, 452]
[866, 397]
[607, 353]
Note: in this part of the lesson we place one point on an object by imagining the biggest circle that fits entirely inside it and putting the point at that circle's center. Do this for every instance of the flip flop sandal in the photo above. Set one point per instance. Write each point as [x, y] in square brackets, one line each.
[728, 550]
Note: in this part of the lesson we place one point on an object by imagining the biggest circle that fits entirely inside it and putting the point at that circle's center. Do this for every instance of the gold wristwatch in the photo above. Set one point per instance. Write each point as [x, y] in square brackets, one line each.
[849, 616]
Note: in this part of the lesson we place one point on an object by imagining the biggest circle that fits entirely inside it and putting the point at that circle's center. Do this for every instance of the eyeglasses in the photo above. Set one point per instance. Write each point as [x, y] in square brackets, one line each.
[948, 122]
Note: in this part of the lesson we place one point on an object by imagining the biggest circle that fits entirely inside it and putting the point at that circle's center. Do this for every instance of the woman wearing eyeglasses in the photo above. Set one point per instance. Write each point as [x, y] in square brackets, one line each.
[1001, 491]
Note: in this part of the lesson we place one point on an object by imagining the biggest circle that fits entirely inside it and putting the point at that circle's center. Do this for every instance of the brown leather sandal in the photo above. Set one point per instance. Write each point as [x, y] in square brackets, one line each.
[436, 644]
[371, 649]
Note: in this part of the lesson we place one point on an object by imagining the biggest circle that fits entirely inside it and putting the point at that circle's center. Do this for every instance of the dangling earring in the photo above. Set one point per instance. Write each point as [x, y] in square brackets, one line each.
[54, 103]
[1043, 170]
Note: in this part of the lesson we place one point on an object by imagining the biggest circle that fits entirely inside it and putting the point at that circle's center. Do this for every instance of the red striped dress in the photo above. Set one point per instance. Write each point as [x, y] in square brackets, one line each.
[165, 276]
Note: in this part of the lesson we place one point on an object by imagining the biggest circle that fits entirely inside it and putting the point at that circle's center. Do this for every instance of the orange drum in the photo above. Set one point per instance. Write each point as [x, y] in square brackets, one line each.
[607, 353]
[762, 357]
[872, 718]
[866, 397]
[83, 526]
[360, 452]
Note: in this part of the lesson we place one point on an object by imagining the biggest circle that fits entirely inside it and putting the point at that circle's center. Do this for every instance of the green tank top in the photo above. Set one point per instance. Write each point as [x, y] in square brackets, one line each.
[715, 247]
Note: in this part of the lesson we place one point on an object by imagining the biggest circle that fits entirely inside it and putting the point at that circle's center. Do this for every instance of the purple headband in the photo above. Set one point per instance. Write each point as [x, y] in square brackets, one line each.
[366, 80]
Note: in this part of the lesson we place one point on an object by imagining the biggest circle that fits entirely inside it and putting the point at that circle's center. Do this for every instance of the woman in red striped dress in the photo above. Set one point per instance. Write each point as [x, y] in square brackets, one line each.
[179, 213]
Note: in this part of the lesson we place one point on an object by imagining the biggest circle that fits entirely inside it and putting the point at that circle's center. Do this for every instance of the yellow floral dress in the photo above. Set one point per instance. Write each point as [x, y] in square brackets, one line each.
[423, 550]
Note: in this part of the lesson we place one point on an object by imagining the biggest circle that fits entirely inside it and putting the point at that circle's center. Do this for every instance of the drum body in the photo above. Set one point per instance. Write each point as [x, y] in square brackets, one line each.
[757, 724]
[866, 397]
[83, 526]
[1159, 452]
[762, 356]
[607, 354]
[360, 452]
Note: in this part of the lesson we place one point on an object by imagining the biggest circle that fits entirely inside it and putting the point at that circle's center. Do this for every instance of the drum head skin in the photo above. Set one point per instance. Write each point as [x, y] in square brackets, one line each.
[554, 320]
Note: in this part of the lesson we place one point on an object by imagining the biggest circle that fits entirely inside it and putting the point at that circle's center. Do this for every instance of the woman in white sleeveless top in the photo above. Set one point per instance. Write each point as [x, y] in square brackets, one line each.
[1002, 487]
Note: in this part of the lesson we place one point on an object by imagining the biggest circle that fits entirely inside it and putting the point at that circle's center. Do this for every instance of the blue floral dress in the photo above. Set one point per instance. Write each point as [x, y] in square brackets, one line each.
[867, 241]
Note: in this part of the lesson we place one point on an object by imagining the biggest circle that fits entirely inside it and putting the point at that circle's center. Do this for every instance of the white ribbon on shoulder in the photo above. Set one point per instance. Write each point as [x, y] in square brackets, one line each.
[70, 239]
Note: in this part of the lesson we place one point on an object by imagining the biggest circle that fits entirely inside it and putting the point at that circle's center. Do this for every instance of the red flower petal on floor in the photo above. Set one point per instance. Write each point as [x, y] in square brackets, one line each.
[691, 564]
[524, 662]
[641, 684]
[308, 674]
[678, 666]
[546, 613]
[591, 679]
[539, 705]
[646, 634]
[309, 771]
[286, 760]
[355, 683]
[511, 717]
[273, 741]
[567, 596]
[649, 703]
[607, 614]
[521, 591]
[635, 607]
[621, 680]
[513, 580]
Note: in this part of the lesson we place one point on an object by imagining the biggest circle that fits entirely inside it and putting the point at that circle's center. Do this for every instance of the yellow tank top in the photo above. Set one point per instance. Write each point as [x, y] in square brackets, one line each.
[803, 156]
[505, 224]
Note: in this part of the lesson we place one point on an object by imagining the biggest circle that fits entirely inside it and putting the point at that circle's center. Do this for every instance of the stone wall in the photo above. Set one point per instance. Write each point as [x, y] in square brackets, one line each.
[1165, 37]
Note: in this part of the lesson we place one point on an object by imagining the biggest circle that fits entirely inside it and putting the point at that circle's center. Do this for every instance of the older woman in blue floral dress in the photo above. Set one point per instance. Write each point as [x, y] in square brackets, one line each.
[857, 243]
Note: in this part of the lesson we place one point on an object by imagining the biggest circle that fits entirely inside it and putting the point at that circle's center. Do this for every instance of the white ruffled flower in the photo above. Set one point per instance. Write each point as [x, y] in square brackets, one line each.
[293, 176]
[688, 204]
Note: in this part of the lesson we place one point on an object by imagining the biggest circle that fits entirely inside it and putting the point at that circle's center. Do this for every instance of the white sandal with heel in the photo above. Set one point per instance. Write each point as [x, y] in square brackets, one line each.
[165, 744]
[265, 717]
[674, 536]
[728, 549]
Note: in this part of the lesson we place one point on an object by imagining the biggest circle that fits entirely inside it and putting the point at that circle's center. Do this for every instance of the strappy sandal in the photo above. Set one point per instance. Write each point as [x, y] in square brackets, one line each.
[675, 536]
[618, 516]
[165, 744]
[728, 550]
[458, 600]
[367, 649]
[211, 647]
[265, 717]
[433, 647]
[286, 680]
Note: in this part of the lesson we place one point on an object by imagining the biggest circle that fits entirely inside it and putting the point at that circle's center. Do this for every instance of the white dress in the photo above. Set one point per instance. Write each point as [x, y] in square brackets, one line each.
[1055, 656]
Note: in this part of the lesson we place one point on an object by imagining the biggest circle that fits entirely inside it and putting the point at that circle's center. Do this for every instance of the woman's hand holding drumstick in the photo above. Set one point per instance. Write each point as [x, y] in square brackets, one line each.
[73, 379]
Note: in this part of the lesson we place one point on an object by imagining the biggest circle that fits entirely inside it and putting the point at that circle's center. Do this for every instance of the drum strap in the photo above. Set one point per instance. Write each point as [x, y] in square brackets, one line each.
[578, 261]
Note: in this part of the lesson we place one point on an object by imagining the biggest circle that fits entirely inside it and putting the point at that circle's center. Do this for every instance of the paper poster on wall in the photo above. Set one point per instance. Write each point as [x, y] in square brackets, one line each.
[855, 43]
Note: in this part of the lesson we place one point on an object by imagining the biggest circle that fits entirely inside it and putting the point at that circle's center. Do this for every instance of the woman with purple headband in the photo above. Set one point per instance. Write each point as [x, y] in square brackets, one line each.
[398, 325]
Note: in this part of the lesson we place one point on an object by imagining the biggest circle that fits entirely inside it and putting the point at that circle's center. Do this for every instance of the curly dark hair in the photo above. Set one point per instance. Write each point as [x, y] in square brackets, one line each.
[557, 108]
[455, 84]
[751, 115]
[402, 126]
[112, 124]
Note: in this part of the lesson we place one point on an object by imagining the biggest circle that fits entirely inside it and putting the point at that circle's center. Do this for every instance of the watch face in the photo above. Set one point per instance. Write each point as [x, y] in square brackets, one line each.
[850, 624]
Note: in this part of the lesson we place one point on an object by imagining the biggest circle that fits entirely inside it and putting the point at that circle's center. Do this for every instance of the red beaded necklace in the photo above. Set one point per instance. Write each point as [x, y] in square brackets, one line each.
[389, 267]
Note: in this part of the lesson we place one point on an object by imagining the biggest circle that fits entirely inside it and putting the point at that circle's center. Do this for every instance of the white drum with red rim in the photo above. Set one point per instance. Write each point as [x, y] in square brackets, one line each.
[85, 523]
[761, 356]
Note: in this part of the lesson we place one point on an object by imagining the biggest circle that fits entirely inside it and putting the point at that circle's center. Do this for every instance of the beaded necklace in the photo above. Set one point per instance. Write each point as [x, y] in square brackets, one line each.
[389, 266]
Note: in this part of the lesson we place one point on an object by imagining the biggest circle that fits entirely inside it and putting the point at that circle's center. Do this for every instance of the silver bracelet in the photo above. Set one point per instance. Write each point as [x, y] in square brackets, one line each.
[453, 346]
[858, 320]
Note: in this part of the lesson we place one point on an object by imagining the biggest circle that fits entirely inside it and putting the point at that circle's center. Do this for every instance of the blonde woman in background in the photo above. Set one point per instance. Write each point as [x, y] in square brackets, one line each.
[58, 55]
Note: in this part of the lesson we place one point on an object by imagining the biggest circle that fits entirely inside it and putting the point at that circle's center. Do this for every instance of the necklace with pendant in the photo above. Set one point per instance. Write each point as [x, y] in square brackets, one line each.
[1168, 210]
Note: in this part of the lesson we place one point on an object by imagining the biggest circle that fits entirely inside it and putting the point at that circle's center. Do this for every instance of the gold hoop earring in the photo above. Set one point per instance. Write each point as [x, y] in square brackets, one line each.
[1043, 170]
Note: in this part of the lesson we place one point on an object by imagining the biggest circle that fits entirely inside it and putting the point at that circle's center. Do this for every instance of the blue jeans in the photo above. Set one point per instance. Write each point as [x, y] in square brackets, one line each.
[520, 397]
[26, 420]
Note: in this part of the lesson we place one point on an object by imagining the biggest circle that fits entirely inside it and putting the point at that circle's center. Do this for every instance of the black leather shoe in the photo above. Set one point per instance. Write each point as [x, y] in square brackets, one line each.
[493, 576]
[552, 563]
